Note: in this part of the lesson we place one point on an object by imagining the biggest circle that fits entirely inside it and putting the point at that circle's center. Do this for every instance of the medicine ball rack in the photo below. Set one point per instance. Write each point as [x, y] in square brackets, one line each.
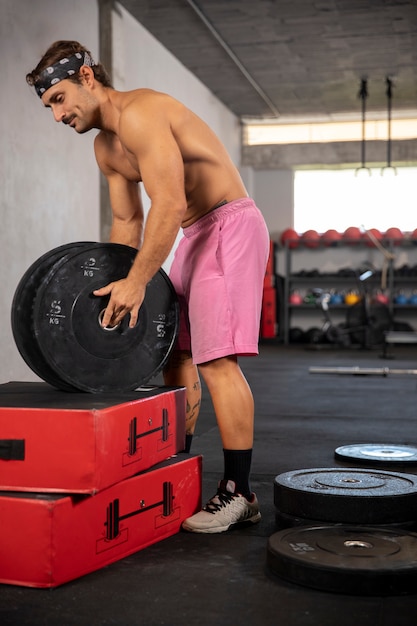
[307, 279]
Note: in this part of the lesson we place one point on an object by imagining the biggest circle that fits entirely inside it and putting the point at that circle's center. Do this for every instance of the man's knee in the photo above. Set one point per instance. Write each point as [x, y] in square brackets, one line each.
[224, 367]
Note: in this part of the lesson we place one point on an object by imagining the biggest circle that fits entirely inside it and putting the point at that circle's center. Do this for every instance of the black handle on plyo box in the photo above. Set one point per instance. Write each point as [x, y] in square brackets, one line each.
[12, 449]
[134, 436]
[113, 516]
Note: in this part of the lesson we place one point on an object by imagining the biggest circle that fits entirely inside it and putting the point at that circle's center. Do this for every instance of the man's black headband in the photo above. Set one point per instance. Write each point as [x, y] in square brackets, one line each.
[64, 68]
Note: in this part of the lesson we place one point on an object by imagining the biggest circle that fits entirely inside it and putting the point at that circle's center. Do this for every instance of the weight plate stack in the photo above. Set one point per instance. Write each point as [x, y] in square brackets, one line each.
[64, 342]
[347, 496]
[346, 559]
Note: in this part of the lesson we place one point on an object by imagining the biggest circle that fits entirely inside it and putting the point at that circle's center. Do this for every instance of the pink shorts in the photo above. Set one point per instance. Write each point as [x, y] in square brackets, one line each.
[218, 273]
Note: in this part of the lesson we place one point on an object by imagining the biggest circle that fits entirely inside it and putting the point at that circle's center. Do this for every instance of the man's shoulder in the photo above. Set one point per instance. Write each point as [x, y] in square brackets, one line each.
[142, 94]
[146, 99]
[147, 108]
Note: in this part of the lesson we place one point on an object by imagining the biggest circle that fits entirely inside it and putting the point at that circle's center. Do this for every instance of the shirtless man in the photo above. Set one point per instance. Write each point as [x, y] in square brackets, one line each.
[149, 137]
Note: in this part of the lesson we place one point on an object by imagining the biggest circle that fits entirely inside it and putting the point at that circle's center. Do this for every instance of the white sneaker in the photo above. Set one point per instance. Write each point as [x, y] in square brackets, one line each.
[224, 510]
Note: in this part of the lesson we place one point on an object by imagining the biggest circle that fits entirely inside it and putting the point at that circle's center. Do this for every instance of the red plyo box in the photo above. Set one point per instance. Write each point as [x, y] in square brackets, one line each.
[49, 539]
[55, 441]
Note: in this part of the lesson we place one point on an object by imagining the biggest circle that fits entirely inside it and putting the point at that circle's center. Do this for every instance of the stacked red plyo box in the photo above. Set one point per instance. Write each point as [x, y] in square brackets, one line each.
[87, 479]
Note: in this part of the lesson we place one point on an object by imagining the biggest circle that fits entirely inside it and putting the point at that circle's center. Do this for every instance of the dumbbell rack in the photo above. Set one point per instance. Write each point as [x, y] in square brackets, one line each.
[99, 476]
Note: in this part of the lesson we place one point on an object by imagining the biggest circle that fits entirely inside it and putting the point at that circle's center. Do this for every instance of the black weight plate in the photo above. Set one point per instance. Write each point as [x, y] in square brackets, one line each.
[22, 314]
[68, 329]
[348, 560]
[348, 496]
[378, 454]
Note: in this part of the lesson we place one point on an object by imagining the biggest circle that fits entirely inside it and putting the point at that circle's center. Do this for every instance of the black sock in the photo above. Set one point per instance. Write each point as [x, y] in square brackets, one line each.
[237, 465]
[188, 440]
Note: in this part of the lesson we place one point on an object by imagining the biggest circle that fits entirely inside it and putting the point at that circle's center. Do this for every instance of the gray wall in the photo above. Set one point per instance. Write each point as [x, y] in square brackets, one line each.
[274, 192]
[49, 192]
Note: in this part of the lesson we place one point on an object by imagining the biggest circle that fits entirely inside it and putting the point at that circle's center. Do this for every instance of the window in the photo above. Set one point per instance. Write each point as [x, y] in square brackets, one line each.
[338, 199]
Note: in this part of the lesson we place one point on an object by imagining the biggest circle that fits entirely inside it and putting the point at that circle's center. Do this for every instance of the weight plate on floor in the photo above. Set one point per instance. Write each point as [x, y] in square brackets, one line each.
[22, 314]
[348, 560]
[67, 322]
[378, 454]
[348, 496]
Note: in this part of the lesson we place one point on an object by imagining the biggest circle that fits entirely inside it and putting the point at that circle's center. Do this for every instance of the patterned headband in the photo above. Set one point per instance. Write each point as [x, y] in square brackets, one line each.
[64, 68]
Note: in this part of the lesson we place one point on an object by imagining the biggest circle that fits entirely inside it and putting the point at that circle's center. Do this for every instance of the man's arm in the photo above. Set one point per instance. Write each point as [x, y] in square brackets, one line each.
[125, 200]
[148, 136]
[127, 210]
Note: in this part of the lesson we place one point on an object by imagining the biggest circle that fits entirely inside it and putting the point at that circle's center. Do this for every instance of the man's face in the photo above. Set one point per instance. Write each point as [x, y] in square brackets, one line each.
[72, 104]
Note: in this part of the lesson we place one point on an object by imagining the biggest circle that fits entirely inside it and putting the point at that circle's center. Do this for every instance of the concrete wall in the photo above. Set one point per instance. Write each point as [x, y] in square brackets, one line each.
[337, 154]
[49, 192]
[274, 192]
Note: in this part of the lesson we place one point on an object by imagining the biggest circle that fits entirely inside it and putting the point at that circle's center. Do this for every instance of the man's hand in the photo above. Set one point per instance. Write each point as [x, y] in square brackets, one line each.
[125, 297]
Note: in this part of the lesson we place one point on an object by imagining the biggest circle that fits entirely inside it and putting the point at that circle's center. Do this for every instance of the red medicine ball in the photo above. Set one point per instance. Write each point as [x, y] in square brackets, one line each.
[352, 234]
[311, 238]
[291, 236]
[375, 233]
[395, 234]
[331, 237]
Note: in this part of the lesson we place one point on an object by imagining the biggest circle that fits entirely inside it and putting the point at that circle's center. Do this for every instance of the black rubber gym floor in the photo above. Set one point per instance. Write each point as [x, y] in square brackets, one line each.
[301, 418]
